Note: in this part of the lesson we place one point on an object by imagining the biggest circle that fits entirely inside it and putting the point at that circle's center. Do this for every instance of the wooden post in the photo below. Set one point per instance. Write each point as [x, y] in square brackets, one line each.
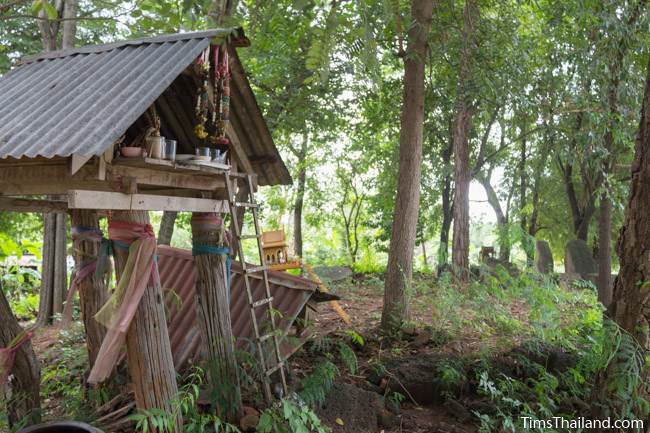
[147, 342]
[92, 290]
[213, 315]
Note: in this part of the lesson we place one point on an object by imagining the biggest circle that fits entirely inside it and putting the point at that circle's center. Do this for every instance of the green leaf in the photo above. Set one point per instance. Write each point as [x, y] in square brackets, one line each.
[36, 7]
[265, 423]
[50, 10]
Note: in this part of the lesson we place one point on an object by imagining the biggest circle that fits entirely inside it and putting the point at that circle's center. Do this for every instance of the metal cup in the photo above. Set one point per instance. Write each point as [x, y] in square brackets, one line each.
[170, 149]
[204, 151]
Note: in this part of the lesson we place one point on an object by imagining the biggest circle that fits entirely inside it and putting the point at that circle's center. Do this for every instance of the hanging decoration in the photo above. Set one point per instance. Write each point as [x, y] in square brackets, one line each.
[214, 59]
[202, 103]
[221, 114]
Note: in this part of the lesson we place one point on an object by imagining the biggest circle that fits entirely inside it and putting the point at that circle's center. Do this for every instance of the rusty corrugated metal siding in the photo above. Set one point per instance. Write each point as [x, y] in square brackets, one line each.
[177, 273]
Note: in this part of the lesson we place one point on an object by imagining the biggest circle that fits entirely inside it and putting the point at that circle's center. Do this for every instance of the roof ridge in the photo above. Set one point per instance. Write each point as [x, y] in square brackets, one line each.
[236, 32]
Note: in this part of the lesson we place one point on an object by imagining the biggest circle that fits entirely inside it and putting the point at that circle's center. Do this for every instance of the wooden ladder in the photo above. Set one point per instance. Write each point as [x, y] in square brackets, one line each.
[231, 180]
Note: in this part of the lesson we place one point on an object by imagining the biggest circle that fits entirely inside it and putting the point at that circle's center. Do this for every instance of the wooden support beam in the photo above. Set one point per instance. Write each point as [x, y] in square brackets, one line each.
[244, 163]
[78, 161]
[27, 205]
[81, 199]
[147, 176]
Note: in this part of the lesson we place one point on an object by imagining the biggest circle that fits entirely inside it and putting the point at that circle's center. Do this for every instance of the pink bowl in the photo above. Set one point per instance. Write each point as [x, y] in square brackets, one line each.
[132, 152]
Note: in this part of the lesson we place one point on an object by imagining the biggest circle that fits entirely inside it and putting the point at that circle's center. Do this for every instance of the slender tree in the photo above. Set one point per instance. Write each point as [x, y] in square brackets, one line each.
[462, 124]
[407, 200]
[166, 230]
[301, 155]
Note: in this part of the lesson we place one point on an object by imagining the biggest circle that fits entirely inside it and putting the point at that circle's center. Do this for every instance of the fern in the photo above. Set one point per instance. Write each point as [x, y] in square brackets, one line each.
[348, 357]
[316, 386]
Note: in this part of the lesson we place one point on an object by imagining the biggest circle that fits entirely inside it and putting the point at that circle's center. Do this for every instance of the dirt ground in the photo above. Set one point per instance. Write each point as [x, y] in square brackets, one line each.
[366, 401]
[363, 301]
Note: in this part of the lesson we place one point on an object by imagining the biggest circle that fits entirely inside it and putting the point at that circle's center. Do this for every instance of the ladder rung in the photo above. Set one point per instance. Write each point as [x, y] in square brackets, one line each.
[239, 175]
[243, 237]
[266, 337]
[244, 204]
[254, 269]
[262, 302]
[275, 368]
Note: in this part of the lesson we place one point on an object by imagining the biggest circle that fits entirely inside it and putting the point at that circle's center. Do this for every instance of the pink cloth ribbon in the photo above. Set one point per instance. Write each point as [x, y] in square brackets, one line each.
[87, 268]
[8, 355]
[119, 310]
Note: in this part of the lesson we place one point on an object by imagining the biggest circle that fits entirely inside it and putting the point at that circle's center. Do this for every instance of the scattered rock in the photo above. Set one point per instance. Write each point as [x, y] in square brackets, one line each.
[423, 338]
[457, 410]
[387, 419]
[443, 427]
[357, 408]
[409, 330]
[578, 260]
[393, 405]
[332, 273]
[375, 374]
[249, 422]
[554, 359]
[419, 378]
[543, 257]
[250, 411]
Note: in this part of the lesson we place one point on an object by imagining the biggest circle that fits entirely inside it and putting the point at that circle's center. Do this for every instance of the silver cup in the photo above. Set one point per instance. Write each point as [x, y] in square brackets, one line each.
[170, 149]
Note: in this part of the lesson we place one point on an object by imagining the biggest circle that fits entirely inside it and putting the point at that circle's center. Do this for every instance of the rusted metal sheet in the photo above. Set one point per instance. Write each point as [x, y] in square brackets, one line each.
[177, 274]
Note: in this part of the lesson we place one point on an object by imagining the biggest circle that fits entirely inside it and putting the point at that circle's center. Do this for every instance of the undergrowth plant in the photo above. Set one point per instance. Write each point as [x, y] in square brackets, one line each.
[194, 420]
[290, 416]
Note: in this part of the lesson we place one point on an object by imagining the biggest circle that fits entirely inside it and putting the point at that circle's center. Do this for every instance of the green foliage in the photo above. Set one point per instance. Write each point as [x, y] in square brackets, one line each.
[348, 357]
[287, 416]
[314, 387]
[355, 337]
[194, 421]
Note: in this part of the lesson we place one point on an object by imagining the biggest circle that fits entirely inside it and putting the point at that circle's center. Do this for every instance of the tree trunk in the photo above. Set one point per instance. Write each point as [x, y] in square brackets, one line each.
[443, 248]
[605, 251]
[69, 25]
[528, 243]
[502, 220]
[407, 200]
[60, 286]
[213, 316]
[631, 290]
[24, 403]
[424, 255]
[149, 353]
[48, 37]
[462, 171]
[300, 196]
[92, 290]
[47, 270]
[166, 230]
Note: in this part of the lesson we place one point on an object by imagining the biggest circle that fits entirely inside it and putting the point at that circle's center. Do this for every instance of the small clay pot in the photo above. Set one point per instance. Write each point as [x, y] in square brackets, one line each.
[132, 152]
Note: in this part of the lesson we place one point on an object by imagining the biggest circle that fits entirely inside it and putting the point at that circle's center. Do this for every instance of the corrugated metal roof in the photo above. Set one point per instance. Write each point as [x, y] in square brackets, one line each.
[177, 272]
[81, 101]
